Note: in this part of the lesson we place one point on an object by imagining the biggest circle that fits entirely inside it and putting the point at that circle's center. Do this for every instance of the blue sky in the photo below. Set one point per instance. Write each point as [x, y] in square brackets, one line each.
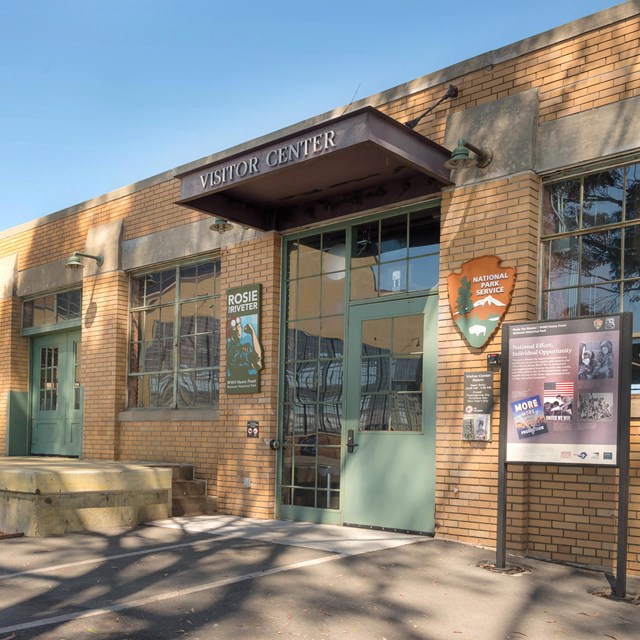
[97, 95]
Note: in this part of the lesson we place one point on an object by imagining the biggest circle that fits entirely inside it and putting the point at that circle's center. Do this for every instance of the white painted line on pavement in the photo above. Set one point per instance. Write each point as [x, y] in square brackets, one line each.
[102, 559]
[131, 604]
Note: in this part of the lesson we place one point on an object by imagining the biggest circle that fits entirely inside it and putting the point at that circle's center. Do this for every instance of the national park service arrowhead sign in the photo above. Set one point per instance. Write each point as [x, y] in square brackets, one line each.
[479, 297]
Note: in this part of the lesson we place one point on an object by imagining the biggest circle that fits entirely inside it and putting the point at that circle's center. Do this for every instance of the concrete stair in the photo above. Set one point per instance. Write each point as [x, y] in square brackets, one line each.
[189, 494]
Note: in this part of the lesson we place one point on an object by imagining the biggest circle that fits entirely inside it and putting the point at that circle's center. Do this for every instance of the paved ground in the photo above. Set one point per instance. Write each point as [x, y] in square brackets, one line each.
[216, 577]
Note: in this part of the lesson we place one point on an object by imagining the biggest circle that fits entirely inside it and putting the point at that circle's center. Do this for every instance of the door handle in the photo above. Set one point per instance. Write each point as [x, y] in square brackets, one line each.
[351, 443]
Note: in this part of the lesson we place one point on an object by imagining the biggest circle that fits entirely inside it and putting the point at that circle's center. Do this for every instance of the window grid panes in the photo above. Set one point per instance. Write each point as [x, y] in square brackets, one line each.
[52, 309]
[394, 255]
[174, 346]
[391, 374]
[591, 247]
[49, 378]
[313, 380]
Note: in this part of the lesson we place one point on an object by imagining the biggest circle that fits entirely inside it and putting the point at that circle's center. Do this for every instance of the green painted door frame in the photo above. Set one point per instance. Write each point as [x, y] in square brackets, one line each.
[389, 475]
[56, 395]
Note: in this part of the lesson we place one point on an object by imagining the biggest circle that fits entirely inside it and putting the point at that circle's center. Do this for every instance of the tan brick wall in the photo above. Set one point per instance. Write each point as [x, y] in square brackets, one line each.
[494, 218]
[591, 70]
[14, 359]
[566, 514]
[219, 448]
[105, 306]
[146, 211]
[253, 262]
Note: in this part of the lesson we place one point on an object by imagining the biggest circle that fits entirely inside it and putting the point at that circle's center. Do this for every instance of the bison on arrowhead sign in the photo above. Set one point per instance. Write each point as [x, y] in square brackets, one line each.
[479, 297]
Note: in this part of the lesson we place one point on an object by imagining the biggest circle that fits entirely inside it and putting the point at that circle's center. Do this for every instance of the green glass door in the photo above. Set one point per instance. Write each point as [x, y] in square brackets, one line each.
[389, 459]
[56, 395]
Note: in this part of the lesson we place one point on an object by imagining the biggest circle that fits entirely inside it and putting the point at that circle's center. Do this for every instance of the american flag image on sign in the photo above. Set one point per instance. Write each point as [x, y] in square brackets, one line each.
[553, 389]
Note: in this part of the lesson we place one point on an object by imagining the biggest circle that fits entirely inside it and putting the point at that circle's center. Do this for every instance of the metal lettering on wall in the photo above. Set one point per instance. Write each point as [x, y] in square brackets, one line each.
[260, 162]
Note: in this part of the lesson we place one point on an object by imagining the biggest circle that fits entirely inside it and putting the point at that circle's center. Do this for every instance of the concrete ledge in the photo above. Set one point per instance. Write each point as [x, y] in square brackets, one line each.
[40, 497]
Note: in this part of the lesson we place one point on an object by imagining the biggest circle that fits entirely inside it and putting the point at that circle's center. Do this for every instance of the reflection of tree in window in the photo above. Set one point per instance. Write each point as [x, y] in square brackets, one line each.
[165, 371]
[591, 243]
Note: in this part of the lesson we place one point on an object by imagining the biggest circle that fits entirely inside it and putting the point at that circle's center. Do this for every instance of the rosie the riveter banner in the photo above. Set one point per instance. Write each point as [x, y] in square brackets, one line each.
[564, 391]
[244, 350]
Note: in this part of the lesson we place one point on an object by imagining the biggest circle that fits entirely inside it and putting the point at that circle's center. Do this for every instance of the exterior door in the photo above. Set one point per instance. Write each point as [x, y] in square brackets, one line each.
[56, 395]
[389, 462]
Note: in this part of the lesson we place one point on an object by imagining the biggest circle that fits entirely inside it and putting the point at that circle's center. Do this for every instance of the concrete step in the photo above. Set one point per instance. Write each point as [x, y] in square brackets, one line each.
[189, 506]
[189, 488]
[180, 470]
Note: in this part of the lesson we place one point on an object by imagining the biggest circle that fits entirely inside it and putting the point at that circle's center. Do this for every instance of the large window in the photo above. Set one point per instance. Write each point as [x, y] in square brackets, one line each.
[591, 247]
[174, 349]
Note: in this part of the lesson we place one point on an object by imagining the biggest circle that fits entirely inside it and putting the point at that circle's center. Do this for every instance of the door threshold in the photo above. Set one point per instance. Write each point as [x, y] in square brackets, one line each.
[409, 532]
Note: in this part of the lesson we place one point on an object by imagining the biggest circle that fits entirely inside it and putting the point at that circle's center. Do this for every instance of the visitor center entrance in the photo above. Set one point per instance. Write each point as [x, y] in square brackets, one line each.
[358, 379]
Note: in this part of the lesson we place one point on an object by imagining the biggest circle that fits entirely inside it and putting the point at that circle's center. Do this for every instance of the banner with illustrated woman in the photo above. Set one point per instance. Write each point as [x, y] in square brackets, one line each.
[244, 351]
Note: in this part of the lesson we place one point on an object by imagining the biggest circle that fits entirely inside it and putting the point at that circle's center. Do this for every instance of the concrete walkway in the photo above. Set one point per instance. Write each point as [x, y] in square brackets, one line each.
[218, 577]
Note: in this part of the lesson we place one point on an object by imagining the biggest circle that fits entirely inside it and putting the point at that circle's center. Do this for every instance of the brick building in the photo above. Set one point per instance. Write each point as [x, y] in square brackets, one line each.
[351, 364]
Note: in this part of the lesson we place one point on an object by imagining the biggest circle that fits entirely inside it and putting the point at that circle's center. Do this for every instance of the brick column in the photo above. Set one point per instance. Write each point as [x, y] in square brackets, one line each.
[256, 261]
[498, 217]
[14, 359]
[104, 361]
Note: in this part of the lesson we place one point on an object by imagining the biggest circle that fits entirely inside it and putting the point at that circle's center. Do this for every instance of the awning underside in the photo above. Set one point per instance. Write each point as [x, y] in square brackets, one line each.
[377, 162]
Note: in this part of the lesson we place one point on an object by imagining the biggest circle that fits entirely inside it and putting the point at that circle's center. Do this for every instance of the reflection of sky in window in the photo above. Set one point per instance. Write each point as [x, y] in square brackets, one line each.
[563, 265]
[632, 204]
[603, 195]
[562, 207]
[599, 300]
[601, 254]
[631, 302]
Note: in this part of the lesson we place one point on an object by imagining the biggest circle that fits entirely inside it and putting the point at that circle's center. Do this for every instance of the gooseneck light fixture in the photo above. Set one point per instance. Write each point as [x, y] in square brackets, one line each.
[74, 260]
[221, 225]
[460, 158]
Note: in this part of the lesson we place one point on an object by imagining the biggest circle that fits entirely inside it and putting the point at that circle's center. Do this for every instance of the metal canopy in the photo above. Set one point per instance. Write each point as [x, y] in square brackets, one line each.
[342, 166]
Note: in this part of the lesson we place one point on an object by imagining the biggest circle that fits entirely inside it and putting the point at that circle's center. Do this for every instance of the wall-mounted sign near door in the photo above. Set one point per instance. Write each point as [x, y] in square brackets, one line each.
[479, 297]
[478, 405]
[244, 351]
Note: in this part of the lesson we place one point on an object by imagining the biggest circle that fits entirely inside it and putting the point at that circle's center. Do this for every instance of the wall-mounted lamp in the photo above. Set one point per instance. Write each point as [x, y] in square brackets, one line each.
[74, 260]
[221, 225]
[460, 158]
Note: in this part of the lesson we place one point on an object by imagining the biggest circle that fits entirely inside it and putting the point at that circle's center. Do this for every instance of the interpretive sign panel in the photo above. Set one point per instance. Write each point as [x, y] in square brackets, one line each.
[566, 390]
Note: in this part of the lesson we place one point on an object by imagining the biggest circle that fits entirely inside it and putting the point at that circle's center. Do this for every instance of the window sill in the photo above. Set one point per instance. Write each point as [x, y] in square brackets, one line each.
[169, 415]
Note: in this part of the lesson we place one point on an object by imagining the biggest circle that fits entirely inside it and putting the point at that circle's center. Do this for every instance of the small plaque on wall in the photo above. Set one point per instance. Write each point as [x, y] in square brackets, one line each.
[478, 405]
[253, 429]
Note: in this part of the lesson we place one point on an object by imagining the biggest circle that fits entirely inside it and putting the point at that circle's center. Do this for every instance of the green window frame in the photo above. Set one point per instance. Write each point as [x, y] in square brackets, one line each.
[327, 271]
[57, 310]
[590, 237]
[174, 337]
